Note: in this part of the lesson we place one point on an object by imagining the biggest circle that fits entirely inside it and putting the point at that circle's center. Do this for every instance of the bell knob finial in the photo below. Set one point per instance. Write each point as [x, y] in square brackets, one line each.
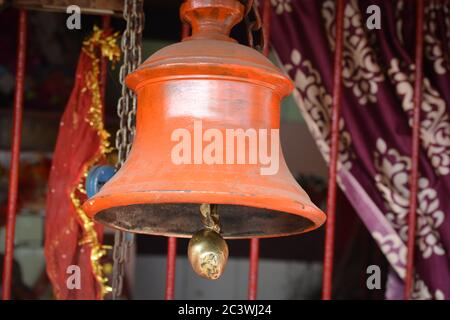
[212, 19]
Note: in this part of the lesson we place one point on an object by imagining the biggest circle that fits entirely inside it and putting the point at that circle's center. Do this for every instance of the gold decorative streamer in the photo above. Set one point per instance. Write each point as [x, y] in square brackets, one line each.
[98, 46]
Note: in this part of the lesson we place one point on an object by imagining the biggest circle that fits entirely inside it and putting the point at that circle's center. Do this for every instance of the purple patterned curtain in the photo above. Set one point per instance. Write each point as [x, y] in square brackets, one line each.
[375, 146]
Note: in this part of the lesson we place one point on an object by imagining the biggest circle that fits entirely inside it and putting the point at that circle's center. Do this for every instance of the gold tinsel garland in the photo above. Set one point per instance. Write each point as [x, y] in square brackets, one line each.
[97, 47]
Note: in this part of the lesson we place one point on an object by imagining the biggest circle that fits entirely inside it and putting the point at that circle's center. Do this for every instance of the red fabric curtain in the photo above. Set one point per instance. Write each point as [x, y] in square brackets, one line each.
[73, 241]
[375, 126]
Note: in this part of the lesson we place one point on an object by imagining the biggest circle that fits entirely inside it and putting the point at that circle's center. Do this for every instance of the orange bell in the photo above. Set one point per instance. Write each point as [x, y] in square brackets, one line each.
[207, 133]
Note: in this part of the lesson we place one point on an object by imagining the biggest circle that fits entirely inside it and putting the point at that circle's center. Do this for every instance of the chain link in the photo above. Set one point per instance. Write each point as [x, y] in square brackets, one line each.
[253, 24]
[210, 216]
[131, 45]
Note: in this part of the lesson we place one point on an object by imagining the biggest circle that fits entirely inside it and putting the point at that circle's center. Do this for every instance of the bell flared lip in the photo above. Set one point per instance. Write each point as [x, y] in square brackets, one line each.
[99, 203]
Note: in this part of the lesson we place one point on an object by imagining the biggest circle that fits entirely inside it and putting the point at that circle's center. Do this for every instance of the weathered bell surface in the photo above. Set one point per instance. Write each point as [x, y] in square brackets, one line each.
[193, 99]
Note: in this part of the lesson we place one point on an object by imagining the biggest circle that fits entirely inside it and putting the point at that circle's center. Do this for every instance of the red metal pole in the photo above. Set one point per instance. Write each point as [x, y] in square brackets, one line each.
[253, 269]
[254, 243]
[334, 153]
[266, 26]
[15, 156]
[185, 30]
[414, 177]
[171, 268]
[172, 242]
[106, 23]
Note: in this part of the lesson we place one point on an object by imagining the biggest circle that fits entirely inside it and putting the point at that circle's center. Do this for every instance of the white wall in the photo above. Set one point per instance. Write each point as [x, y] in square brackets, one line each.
[278, 279]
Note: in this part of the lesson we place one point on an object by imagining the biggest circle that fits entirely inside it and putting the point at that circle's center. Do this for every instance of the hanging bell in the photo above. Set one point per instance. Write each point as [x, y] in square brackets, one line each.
[208, 115]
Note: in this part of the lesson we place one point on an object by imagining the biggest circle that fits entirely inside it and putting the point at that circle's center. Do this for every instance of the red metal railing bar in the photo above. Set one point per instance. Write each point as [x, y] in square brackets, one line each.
[414, 176]
[253, 269]
[16, 136]
[334, 153]
[171, 268]
[254, 243]
[266, 26]
[172, 242]
[106, 23]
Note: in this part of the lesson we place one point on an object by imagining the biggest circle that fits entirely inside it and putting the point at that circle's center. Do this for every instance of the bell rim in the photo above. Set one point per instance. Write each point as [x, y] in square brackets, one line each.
[226, 237]
[99, 203]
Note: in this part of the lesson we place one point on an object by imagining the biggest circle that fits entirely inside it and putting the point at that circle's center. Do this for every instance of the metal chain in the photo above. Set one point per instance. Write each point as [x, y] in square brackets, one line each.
[253, 24]
[131, 45]
[210, 216]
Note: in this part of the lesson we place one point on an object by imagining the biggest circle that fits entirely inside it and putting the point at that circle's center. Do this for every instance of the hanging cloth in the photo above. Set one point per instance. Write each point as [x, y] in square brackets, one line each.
[73, 242]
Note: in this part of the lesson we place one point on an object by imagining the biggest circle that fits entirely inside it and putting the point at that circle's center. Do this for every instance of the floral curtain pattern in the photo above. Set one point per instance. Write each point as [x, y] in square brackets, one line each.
[375, 124]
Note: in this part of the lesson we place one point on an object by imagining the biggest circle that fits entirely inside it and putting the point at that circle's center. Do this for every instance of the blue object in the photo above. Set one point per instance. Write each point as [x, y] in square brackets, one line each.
[97, 177]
